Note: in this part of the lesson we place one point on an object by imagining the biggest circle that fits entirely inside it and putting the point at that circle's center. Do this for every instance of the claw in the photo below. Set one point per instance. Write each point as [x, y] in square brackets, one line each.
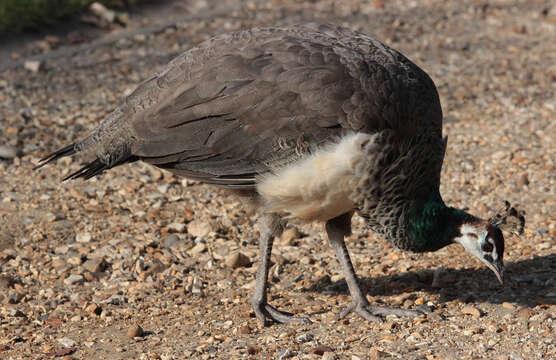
[359, 310]
[264, 312]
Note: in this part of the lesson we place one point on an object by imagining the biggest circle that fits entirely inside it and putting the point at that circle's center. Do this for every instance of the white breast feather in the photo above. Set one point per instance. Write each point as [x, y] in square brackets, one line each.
[316, 188]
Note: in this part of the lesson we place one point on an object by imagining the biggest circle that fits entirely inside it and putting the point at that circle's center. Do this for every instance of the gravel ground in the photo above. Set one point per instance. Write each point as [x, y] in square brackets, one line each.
[138, 264]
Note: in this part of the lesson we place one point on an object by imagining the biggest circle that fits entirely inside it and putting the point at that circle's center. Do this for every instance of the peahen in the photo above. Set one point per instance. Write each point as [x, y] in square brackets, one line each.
[316, 122]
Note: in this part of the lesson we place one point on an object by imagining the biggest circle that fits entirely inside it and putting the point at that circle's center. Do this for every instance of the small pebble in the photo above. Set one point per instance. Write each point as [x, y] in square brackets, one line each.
[8, 152]
[83, 237]
[171, 240]
[66, 342]
[177, 227]
[236, 260]
[306, 337]
[93, 309]
[32, 65]
[101, 11]
[197, 249]
[471, 310]
[286, 354]
[74, 279]
[95, 265]
[244, 330]
[507, 305]
[523, 180]
[198, 228]
[289, 236]
[253, 349]
[322, 349]
[135, 331]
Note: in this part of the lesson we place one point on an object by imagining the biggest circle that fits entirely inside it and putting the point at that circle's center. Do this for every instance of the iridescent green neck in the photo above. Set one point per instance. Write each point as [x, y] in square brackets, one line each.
[432, 225]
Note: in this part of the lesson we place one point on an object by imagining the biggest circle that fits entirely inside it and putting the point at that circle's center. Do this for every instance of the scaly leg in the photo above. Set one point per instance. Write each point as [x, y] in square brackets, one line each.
[269, 226]
[336, 229]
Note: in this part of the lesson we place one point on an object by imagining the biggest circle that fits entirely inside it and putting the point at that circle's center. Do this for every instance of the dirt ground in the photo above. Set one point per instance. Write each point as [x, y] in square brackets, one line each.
[83, 264]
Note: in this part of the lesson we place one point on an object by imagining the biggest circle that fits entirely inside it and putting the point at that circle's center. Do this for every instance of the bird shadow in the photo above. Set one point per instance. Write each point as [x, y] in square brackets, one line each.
[528, 283]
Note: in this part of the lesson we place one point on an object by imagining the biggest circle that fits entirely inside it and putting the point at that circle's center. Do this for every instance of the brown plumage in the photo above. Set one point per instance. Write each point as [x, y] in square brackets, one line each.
[316, 121]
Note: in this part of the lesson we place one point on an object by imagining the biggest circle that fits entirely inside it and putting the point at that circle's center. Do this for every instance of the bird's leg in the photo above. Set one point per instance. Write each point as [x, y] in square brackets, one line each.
[269, 226]
[337, 229]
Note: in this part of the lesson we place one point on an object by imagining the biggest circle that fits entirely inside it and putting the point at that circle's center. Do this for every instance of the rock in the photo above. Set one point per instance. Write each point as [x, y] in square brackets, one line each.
[523, 314]
[376, 354]
[32, 65]
[507, 305]
[177, 227]
[16, 313]
[6, 281]
[328, 355]
[197, 249]
[471, 310]
[289, 236]
[66, 342]
[253, 349]
[195, 286]
[75, 260]
[171, 240]
[322, 349]
[303, 338]
[8, 151]
[102, 12]
[59, 264]
[286, 354]
[236, 260]
[135, 331]
[198, 228]
[95, 265]
[523, 180]
[74, 279]
[244, 330]
[83, 237]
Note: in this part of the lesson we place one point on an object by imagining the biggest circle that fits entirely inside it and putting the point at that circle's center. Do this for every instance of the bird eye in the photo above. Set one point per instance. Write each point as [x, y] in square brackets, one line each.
[487, 247]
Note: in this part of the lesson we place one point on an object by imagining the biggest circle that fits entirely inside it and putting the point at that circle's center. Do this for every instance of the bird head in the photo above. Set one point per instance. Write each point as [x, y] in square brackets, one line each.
[486, 242]
[484, 239]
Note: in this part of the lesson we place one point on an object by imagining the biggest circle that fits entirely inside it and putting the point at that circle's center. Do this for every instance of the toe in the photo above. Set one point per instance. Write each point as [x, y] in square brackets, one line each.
[284, 317]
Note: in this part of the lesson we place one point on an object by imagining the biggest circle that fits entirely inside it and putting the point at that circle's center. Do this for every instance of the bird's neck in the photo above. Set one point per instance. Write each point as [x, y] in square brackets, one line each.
[431, 224]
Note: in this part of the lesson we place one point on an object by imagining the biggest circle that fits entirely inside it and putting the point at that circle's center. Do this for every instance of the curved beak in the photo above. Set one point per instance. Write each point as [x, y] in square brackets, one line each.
[498, 268]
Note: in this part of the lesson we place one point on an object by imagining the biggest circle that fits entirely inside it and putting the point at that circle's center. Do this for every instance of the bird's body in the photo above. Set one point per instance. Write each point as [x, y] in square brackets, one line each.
[317, 122]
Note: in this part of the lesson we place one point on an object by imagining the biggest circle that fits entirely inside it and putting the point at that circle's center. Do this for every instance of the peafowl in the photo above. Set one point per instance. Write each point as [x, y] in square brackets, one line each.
[316, 123]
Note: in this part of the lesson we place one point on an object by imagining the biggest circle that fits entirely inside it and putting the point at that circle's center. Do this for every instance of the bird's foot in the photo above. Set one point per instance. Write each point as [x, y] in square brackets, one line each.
[265, 312]
[373, 313]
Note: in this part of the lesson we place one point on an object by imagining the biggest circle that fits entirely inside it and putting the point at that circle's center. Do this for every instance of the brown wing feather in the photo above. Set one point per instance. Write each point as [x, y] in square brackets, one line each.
[239, 103]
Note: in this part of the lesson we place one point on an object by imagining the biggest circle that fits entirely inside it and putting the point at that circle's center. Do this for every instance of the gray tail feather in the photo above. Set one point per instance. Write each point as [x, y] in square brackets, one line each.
[119, 155]
[88, 171]
[110, 143]
[63, 152]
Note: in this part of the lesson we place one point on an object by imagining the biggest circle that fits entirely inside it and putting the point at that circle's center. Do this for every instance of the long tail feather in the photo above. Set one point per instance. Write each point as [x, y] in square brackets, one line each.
[63, 152]
[88, 171]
